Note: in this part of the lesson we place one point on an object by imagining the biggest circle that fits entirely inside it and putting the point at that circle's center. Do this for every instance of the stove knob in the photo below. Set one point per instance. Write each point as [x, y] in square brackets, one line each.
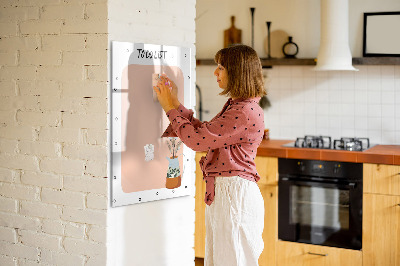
[302, 167]
[336, 169]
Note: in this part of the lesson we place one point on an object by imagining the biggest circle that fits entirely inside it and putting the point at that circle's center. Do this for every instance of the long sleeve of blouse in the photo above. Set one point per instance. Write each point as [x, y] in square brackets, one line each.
[186, 113]
[225, 130]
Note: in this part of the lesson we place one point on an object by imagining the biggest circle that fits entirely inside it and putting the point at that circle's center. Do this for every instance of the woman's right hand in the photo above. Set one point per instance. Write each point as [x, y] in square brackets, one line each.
[174, 90]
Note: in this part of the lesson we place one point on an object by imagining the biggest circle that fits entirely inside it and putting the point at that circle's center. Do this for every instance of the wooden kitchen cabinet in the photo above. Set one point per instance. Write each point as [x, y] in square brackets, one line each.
[381, 215]
[298, 254]
[270, 233]
[267, 168]
[200, 207]
[381, 230]
[381, 179]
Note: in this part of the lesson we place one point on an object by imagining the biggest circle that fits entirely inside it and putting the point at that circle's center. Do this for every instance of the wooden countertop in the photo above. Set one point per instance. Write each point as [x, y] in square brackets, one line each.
[379, 154]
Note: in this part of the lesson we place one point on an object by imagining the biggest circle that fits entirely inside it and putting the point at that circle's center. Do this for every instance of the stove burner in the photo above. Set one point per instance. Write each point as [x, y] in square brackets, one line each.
[324, 142]
[308, 141]
[351, 144]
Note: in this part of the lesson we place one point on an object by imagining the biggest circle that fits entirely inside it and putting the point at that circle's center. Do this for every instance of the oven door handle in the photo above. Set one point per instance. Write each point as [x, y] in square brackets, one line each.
[330, 184]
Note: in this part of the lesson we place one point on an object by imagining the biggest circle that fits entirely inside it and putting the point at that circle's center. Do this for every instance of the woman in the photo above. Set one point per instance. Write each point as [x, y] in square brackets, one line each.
[235, 207]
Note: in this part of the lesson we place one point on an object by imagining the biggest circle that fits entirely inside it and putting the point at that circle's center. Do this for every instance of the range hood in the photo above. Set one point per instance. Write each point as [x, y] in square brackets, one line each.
[334, 51]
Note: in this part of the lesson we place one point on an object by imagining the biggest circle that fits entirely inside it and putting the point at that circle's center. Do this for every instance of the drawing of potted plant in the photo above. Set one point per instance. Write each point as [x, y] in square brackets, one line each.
[174, 173]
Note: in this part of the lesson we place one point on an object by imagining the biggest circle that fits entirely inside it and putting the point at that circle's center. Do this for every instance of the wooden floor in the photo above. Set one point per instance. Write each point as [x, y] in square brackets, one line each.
[199, 262]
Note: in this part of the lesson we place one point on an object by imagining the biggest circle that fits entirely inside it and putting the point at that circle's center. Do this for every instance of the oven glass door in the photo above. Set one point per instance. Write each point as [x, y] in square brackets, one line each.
[322, 213]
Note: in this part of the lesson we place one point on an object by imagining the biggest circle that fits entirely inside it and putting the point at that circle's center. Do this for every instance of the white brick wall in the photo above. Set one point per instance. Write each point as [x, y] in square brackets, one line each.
[53, 128]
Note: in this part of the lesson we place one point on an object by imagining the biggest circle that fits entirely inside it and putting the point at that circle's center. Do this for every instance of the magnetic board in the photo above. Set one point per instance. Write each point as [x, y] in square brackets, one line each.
[146, 167]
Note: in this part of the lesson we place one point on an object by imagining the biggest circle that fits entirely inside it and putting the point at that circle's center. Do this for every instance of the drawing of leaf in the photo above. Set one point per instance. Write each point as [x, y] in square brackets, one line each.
[169, 147]
[178, 146]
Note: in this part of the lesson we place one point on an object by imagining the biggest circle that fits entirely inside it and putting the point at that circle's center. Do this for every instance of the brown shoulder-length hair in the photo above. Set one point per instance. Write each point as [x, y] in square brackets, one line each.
[245, 78]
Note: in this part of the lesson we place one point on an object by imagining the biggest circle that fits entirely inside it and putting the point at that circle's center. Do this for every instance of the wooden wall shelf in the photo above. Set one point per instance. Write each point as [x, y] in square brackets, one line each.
[312, 61]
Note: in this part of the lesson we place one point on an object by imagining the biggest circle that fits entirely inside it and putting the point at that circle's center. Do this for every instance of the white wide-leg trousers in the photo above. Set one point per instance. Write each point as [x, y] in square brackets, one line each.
[234, 223]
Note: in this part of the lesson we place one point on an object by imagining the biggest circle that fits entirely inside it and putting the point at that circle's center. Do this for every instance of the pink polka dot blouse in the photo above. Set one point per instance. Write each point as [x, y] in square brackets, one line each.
[231, 139]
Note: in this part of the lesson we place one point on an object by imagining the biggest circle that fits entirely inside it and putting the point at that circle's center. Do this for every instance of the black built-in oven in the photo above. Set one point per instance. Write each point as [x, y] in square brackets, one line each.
[320, 202]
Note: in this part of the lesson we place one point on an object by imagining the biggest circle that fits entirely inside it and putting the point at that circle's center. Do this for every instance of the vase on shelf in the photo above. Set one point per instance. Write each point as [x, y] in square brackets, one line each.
[290, 49]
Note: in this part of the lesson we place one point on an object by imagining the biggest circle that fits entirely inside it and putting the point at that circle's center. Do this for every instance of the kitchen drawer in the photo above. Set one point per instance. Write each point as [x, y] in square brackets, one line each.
[298, 254]
[381, 179]
[267, 168]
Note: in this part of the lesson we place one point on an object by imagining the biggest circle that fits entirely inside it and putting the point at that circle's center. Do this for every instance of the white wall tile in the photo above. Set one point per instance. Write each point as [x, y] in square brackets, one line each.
[308, 72]
[322, 109]
[374, 110]
[322, 95]
[297, 83]
[397, 110]
[389, 136]
[347, 109]
[388, 97]
[285, 72]
[361, 123]
[360, 97]
[335, 95]
[322, 121]
[374, 97]
[284, 83]
[388, 84]
[361, 110]
[387, 72]
[334, 109]
[348, 122]
[335, 122]
[360, 81]
[397, 122]
[348, 133]
[397, 94]
[388, 124]
[397, 72]
[310, 108]
[374, 123]
[297, 72]
[374, 83]
[339, 104]
[310, 95]
[348, 95]
[388, 110]
[375, 136]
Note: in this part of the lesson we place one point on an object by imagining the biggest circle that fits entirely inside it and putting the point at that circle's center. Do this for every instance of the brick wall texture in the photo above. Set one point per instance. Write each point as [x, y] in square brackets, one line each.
[53, 132]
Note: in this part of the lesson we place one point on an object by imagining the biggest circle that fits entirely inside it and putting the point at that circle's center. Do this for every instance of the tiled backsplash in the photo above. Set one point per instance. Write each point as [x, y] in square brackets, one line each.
[338, 104]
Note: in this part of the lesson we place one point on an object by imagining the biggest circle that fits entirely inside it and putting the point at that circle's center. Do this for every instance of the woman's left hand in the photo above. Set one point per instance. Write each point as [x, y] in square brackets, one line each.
[163, 92]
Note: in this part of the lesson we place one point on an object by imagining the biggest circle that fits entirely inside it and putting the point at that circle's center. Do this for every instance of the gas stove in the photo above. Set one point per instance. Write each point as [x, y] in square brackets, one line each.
[325, 142]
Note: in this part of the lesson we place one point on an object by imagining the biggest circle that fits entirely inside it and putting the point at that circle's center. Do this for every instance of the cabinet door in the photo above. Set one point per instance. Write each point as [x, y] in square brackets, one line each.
[297, 254]
[267, 168]
[381, 230]
[381, 179]
[200, 207]
[270, 233]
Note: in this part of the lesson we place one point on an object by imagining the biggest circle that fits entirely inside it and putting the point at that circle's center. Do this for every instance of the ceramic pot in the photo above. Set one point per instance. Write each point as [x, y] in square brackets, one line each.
[173, 179]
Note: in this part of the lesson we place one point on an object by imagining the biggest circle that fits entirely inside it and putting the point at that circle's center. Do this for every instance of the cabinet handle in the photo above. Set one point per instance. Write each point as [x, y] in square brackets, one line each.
[398, 204]
[318, 254]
